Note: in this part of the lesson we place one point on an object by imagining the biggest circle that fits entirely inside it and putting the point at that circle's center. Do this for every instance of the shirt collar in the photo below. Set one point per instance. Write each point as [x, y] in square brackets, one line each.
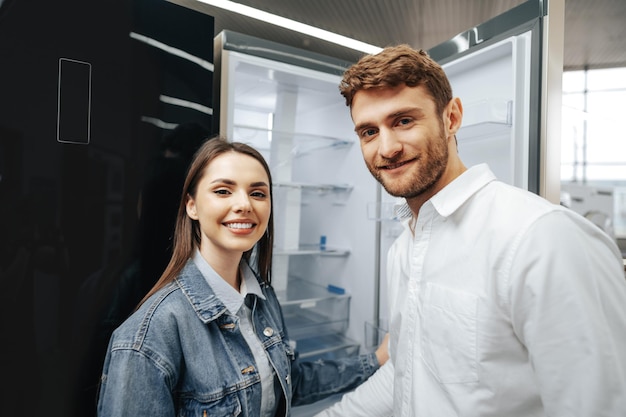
[223, 291]
[455, 194]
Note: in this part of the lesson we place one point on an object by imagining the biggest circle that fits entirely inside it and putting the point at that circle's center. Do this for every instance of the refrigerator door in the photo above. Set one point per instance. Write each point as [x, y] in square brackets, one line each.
[285, 102]
[507, 72]
[494, 87]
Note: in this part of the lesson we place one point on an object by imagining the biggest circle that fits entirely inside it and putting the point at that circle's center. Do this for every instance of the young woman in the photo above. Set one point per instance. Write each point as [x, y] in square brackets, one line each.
[209, 338]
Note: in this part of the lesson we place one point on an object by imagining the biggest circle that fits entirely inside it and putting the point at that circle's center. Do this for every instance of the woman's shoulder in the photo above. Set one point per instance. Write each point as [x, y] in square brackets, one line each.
[161, 310]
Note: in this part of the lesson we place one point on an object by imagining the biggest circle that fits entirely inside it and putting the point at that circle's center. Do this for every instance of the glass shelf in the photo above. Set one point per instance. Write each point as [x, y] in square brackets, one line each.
[312, 249]
[486, 118]
[306, 294]
[303, 143]
[329, 346]
[318, 188]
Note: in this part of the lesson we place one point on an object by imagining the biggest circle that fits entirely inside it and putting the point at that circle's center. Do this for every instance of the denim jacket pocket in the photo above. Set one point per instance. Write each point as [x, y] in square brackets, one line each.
[449, 334]
[227, 406]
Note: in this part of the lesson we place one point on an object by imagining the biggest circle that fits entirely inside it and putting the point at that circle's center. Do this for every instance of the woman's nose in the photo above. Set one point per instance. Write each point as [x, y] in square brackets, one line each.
[242, 202]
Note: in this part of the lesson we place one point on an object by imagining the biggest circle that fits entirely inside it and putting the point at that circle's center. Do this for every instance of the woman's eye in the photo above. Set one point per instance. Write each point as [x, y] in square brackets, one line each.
[259, 194]
[222, 192]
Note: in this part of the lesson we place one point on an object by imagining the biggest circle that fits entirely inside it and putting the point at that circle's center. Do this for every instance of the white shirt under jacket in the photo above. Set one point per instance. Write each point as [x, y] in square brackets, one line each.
[501, 305]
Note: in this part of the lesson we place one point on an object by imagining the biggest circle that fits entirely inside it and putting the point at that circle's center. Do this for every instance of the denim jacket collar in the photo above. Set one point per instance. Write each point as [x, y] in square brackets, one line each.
[231, 298]
[202, 297]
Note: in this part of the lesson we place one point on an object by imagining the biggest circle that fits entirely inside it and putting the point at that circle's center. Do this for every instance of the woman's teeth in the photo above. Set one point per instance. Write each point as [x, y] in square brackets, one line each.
[239, 225]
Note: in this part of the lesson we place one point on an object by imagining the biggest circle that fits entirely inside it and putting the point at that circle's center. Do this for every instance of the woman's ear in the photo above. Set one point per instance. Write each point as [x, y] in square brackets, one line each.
[190, 206]
[453, 116]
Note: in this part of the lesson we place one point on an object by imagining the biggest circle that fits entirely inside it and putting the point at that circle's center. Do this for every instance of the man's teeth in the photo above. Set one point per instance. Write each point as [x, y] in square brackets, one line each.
[239, 225]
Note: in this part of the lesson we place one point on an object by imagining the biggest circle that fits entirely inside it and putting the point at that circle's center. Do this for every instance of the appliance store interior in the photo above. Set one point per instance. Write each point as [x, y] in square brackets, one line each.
[95, 97]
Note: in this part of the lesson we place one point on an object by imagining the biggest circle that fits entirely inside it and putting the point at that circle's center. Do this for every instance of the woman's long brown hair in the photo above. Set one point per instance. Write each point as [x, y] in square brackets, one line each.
[187, 231]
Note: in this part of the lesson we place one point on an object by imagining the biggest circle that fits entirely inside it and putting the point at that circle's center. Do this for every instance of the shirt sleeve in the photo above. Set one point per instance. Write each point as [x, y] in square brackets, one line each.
[374, 398]
[567, 295]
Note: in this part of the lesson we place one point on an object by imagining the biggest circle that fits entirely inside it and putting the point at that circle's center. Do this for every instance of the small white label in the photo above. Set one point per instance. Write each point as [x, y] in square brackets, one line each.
[308, 304]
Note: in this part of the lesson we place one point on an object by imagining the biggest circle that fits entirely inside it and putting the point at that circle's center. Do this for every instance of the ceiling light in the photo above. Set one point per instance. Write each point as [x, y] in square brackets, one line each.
[293, 25]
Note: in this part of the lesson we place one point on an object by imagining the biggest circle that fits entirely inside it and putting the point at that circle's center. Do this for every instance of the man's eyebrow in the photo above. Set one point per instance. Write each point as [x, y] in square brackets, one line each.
[413, 110]
[361, 126]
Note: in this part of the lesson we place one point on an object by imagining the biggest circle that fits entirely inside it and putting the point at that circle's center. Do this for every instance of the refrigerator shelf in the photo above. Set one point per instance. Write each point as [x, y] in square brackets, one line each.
[304, 322]
[303, 143]
[312, 249]
[486, 118]
[317, 188]
[306, 294]
[483, 130]
[332, 346]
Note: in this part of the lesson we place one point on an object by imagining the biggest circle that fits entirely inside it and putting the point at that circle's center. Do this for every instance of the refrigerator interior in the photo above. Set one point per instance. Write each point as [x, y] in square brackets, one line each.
[324, 266]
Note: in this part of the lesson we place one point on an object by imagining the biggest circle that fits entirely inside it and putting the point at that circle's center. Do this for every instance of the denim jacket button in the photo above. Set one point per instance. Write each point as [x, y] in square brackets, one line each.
[268, 331]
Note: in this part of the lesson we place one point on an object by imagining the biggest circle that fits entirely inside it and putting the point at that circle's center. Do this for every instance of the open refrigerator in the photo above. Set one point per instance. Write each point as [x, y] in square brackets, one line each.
[334, 224]
[285, 102]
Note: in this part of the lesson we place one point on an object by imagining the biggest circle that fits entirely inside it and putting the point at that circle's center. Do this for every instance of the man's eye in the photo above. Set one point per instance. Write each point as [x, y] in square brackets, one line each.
[368, 132]
[404, 121]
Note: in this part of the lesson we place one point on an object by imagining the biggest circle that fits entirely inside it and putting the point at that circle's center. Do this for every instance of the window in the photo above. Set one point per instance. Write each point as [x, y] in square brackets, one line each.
[593, 145]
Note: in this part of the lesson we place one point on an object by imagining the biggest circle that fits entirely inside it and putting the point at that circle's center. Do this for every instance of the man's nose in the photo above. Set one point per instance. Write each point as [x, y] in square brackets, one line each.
[389, 145]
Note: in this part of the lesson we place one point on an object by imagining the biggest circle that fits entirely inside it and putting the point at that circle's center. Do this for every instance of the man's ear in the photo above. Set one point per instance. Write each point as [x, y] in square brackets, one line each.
[453, 116]
[190, 206]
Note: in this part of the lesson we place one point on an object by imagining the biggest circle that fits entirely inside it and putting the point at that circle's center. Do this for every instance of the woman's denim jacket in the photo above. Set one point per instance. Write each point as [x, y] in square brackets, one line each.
[182, 354]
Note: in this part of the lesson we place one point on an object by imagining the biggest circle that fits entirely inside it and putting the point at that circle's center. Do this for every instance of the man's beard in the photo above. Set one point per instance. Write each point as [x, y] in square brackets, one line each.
[429, 169]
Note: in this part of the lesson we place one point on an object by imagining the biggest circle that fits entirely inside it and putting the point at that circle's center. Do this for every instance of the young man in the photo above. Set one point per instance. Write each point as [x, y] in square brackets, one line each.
[502, 304]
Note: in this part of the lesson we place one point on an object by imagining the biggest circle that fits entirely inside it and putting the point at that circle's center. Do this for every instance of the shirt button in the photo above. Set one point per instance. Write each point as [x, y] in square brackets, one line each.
[268, 331]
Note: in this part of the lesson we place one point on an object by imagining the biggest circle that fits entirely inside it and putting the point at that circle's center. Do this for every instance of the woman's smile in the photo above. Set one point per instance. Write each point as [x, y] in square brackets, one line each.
[240, 227]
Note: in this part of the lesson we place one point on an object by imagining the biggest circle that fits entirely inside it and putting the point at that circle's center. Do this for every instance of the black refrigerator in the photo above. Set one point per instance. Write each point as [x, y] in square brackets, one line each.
[101, 104]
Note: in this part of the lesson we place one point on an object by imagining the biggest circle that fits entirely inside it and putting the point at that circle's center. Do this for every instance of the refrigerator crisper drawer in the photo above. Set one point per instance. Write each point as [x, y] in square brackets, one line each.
[316, 318]
[330, 346]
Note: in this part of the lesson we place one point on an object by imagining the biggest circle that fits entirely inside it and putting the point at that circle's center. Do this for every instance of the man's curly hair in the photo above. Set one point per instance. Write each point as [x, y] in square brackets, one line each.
[394, 66]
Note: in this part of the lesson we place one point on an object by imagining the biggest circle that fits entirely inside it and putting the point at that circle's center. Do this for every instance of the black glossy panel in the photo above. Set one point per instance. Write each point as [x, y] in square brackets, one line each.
[77, 250]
